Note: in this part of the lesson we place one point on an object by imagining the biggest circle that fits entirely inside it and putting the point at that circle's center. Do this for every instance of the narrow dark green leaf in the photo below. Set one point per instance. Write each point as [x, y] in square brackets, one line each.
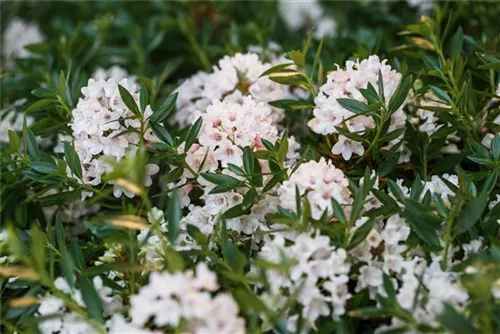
[162, 133]
[224, 182]
[495, 147]
[248, 160]
[41, 105]
[400, 95]
[38, 247]
[43, 93]
[339, 213]
[192, 135]
[33, 150]
[143, 97]
[352, 105]
[174, 217]
[471, 213]
[91, 298]
[441, 94]
[43, 167]
[235, 169]
[380, 83]
[128, 99]
[73, 160]
[165, 109]
[360, 234]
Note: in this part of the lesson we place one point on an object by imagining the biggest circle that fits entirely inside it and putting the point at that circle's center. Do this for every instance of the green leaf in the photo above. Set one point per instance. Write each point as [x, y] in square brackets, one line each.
[44, 93]
[61, 198]
[38, 247]
[143, 97]
[495, 147]
[456, 43]
[380, 83]
[175, 262]
[43, 167]
[174, 217]
[174, 174]
[471, 213]
[128, 100]
[165, 109]
[480, 149]
[14, 141]
[248, 300]
[297, 57]
[490, 182]
[479, 159]
[456, 322]
[389, 287]
[162, 133]
[41, 105]
[62, 87]
[275, 69]
[33, 150]
[441, 94]
[235, 169]
[91, 298]
[66, 262]
[352, 105]
[192, 135]
[268, 145]
[248, 160]
[369, 312]
[224, 182]
[196, 234]
[73, 160]
[339, 213]
[422, 221]
[289, 77]
[283, 148]
[400, 95]
[395, 190]
[393, 135]
[360, 234]
[291, 104]
[370, 94]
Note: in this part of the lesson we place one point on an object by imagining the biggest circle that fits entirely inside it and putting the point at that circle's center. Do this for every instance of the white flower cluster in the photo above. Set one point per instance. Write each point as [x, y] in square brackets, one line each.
[347, 83]
[67, 322]
[384, 251]
[234, 78]
[306, 14]
[169, 299]
[17, 36]
[318, 182]
[318, 275]
[227, 127]
[105, 130]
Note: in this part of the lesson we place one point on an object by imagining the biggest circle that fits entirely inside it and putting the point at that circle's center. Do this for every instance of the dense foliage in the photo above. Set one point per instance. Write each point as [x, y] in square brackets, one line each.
[260, 166]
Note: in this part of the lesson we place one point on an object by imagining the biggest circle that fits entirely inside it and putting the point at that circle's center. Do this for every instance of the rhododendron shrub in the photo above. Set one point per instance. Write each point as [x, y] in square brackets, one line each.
[250, 167]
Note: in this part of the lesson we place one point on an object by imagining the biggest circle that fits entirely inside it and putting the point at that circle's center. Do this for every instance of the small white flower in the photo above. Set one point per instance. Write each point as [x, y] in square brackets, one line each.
[347, 147]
